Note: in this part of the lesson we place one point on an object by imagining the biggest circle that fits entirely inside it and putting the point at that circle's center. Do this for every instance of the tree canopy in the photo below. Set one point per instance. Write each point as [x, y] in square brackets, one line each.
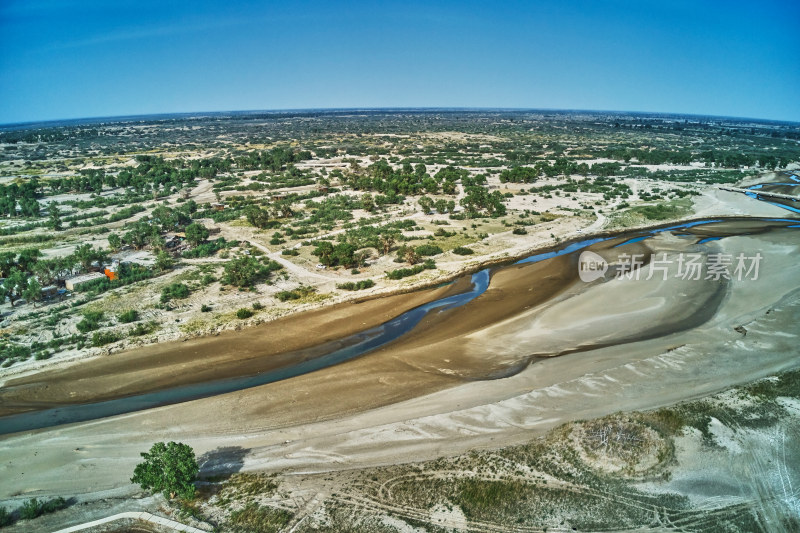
[168, 468]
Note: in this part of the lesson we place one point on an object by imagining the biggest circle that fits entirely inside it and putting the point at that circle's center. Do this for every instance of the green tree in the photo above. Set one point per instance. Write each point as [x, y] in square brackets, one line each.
[54, 222]
[344, 254]
[8, 260]
[14, 284]
[367, 202]
[114, 242]
[33, 292]
[324, 251]
[242, 272]
[425, 203]
[196, 233]
[163, 261]
[137, 236]
[387, 241]
[86, 254]
[168, 468]
[27, 258]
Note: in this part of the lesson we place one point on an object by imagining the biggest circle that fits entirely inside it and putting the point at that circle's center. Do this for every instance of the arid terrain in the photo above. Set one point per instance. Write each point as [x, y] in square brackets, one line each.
[537, 402]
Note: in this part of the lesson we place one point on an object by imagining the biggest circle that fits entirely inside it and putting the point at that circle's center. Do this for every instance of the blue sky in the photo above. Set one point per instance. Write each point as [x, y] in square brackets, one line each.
[74, 59]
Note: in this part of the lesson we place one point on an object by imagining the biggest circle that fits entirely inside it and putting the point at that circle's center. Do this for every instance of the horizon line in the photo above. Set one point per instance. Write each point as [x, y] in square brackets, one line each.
[200, 114]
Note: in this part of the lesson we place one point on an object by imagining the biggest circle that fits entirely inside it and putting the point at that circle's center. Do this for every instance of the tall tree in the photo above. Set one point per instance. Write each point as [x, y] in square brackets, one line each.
[168, 468]
[196, 233]
[54, 222]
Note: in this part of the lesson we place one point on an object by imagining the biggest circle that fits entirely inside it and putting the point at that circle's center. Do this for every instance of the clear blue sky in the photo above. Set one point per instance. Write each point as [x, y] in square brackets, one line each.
[73, 59]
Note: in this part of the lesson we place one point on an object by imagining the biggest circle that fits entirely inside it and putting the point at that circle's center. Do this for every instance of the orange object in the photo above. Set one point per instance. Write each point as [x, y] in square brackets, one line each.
[111, 274]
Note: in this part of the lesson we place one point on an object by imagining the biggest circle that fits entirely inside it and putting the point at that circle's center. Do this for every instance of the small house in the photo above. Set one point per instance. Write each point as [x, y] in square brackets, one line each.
[49, 292]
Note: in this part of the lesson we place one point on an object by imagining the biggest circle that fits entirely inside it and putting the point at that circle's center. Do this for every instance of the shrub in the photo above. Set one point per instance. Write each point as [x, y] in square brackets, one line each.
[258, 306]
[426, 250]
[462, 250]
[5, 517]
[284, 296]
[174, 291]
[142, 329]
[90, 322]
[295, 294]
[244, 313]
[401, 273]
[290, 252]
[256, 518]
[101, 338]
[33, 507]
[208, 249]
[245, 271]
[205, 308]
[520, 231]
[131, 315]
[356, 286]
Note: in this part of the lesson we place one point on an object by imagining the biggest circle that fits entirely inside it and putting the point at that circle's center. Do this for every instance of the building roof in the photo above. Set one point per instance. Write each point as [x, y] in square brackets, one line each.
[86, 277]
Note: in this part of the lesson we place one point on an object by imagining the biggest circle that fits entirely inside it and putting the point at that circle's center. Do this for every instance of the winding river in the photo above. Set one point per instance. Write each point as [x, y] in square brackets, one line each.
[369, 340]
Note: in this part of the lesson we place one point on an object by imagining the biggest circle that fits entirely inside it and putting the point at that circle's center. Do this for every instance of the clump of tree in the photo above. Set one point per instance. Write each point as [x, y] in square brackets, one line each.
[196, 233]
[210, 248]
[479, 201]
[356, 285]
[401, 273]
[25, 194]
[427, 250]
[341, 254]
[245, 271]
[170, 469]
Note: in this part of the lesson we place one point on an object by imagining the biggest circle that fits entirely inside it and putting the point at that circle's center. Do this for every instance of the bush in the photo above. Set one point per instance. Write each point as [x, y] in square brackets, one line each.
[101, 338]
[290, 252]
[258, 306]
[426, 250]
[244, 313]
[256, 518]
[401, 273]
[205, 308]
[5, 517]
[245, 271]
[126, 317]
[208, 249]
[174, 291]
[90, 322]
[462, 250]
[33, 507]
[520, 231]
[356, 286]
[142, 329]
[295, 294]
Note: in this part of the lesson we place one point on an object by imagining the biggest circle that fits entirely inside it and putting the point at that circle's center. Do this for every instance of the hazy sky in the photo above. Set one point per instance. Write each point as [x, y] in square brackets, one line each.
[71, 59]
